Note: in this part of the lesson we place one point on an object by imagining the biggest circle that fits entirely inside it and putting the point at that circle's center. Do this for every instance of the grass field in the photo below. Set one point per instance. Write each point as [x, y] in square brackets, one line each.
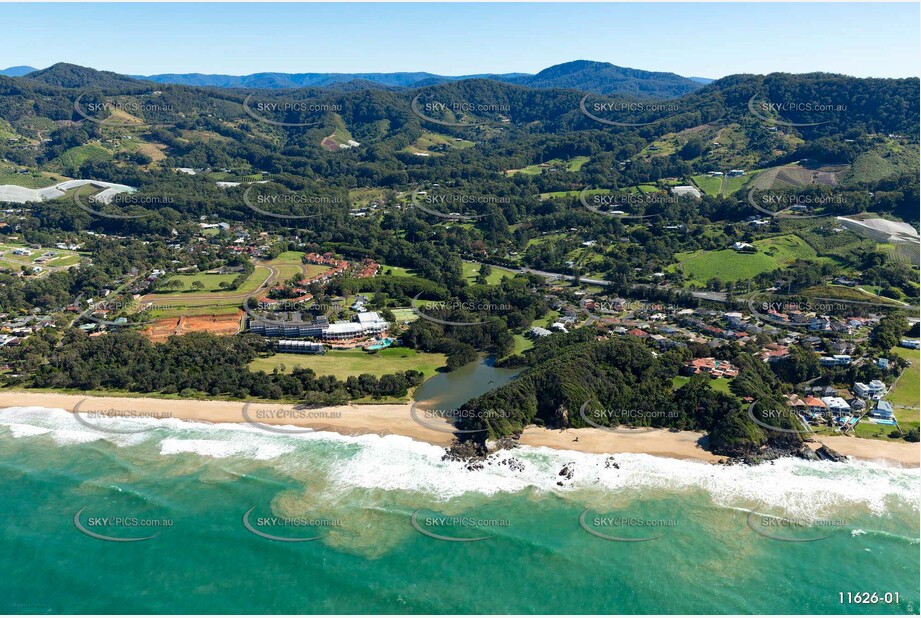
[211, 283]
[438, 141]
[708, 184]
[289, 264]
[734, 183]
[471, 270]
[572, 165]
[345, 363]
[206, 301]
[846, 293]
[395, 271]
[720, 385]
[905, 392]
[730, 265]
[405, 314]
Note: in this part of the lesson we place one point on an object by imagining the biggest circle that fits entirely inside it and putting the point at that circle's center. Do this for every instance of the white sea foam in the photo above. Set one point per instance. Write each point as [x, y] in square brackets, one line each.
[801, 488]
[224, 448]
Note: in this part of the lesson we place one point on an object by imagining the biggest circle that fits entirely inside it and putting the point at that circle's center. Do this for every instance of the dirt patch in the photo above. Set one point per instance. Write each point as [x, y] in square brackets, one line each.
[330, 144]
[161, 330]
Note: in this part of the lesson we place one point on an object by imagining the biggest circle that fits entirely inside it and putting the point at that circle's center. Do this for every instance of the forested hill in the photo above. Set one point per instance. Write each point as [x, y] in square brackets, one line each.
[576, 381]
[584, 75]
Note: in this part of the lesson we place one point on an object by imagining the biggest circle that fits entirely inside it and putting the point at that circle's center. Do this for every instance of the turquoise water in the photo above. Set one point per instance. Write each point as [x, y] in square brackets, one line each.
[359, 496]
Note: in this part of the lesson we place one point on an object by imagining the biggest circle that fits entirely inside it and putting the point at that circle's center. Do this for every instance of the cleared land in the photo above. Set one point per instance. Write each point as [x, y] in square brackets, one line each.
[730, 265]
[174, 304]
[472, 269]
[227, 324]
[345, 363]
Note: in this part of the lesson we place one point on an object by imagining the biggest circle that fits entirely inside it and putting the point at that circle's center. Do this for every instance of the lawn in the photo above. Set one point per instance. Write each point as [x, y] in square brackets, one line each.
[345, 363]
[405, 314]
[730, 265]
[202, 302]
[571, 165]
[720, 385]
[289, 264]
[211, 283]
[905, 392]
[734, 183]
[708, 184]
[471, 270]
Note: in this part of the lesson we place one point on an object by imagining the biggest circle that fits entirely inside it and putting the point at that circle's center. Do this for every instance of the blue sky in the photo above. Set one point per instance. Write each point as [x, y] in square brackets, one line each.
[706, 40]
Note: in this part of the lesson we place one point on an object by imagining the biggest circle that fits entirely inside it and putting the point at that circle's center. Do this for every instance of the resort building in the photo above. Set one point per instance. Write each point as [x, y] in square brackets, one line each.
[300, 347]
[367, 324]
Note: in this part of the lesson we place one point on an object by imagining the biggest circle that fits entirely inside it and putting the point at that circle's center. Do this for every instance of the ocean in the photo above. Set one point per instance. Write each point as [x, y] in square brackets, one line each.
[195, 518]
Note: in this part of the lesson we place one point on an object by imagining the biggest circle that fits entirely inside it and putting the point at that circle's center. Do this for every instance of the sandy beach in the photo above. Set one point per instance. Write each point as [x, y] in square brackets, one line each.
[397, 419]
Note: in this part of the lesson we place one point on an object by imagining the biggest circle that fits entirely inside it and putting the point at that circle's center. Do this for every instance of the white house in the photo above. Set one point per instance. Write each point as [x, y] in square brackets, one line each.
[874, 390]
[836, 405]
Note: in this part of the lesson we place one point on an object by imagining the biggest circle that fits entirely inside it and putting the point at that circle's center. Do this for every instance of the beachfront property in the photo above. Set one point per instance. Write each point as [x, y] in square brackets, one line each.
[883, 410]
[815, 406]
[716, 368]
[836, 405]
[297, 346]
[367, 324]
[874, 390]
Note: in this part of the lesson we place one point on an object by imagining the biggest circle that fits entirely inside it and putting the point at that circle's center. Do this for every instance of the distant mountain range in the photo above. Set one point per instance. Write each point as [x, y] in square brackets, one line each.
[17, 71]
[584, 75]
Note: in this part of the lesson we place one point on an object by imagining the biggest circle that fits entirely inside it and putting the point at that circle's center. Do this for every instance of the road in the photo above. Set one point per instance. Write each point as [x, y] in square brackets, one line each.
[719, 297]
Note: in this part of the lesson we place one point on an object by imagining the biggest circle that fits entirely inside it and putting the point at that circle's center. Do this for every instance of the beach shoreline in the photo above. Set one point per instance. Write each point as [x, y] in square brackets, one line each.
[398, 419]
